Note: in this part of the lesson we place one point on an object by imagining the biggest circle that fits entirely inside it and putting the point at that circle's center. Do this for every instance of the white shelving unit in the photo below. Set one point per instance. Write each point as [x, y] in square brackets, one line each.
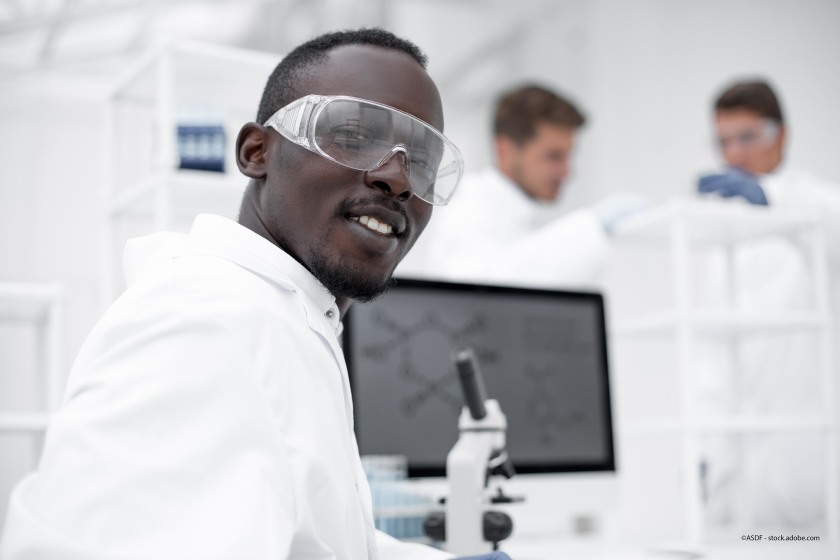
[679, 229]
[39, 307]
[143, 189]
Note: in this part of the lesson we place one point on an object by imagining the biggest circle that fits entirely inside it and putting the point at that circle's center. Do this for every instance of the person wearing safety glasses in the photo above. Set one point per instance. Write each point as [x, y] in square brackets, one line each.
[771, 480]
[208, 414]
[752, 138]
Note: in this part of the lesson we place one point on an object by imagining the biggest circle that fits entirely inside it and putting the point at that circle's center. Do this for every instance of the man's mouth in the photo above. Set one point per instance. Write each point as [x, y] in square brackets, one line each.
[374, 225]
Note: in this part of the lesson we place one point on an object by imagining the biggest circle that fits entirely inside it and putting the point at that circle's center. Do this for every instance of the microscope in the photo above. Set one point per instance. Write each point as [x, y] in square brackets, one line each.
[467, 526]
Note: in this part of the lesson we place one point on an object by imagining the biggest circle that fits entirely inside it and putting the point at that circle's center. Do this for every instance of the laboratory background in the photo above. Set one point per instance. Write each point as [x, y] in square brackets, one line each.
[98, 98]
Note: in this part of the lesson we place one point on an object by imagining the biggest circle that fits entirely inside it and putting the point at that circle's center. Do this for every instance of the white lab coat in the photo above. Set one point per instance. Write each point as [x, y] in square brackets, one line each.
[492, 232]
[794, 188]
[207, 416]
[770, 480]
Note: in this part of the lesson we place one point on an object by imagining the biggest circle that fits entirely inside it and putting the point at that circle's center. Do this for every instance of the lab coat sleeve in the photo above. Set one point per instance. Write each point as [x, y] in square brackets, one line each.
[570, 251]
[158, 452]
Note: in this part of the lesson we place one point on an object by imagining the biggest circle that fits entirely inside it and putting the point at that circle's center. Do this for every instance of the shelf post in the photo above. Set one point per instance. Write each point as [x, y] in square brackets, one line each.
[679, 245]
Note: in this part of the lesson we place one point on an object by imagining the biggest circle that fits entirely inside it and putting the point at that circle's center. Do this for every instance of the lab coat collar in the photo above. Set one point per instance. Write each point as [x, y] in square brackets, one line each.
[518, 205]
[781, 171]
[256, 253]
[777, 182]
[219, 236]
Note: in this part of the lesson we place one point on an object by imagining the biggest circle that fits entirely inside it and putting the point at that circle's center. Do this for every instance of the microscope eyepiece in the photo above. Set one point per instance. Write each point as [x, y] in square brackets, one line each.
[472, 383]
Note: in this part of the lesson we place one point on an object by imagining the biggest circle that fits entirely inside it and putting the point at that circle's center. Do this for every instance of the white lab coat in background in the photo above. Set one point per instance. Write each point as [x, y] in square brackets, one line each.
[492, 232]
[770, 479]
[794, 188]
[207, 416]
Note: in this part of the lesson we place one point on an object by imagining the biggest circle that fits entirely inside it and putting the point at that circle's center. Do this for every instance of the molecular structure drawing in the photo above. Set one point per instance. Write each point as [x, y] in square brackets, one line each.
[440, 387]
[543, 409]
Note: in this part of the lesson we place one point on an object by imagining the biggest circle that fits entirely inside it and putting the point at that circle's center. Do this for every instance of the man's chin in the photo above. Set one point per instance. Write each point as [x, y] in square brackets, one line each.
[359, 290]
[348, 282]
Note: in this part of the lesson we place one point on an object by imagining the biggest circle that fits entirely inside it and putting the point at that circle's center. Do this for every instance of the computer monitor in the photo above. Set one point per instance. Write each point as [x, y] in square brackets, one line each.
[542, 353]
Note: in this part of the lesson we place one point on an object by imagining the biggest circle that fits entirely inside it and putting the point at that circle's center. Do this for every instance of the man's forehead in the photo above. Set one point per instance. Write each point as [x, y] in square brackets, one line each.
[737, 118]
[547, 133]
[384, 75]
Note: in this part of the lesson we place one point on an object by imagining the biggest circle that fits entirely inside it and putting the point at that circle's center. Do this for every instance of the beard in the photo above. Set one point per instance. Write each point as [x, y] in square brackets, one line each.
[347, 281]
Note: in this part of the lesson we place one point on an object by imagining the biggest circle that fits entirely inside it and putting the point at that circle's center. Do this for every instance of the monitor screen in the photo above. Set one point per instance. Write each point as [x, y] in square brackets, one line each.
[542, 354]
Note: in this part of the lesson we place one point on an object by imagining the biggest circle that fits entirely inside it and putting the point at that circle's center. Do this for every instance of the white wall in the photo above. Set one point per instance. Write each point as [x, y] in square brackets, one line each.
[644, 71]
[48, 214]
[657, 65]
[49, 204]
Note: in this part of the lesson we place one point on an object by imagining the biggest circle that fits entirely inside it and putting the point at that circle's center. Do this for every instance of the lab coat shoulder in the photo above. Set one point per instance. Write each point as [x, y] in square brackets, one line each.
[568, 252]
[204, 299]
[181, 403]
[491, 233]
[795, 188]
[164, 409]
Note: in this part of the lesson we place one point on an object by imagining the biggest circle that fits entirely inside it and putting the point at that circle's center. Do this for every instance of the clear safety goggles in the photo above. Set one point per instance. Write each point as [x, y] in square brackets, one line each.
[752, 138]
[364, 135]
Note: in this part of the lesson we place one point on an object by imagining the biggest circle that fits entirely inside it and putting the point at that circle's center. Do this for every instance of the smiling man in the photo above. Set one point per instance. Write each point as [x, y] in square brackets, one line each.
[208, 414]
[351, 222]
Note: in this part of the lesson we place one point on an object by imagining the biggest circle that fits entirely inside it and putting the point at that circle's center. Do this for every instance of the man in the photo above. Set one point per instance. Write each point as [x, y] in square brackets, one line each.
[752, 137]
[496, 229]
[772, 479]
[208, 414]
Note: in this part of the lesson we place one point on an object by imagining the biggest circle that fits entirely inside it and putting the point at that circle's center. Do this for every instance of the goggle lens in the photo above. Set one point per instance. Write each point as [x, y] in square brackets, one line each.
[751, 138]
[360, 134]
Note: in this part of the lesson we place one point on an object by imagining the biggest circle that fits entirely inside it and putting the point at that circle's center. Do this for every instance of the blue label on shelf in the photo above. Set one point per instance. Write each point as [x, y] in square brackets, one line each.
[201, 147]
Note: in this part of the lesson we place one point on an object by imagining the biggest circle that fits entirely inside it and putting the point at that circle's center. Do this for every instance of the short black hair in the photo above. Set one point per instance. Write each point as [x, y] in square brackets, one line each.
[756, 96]
[521, 110]
[282, 86]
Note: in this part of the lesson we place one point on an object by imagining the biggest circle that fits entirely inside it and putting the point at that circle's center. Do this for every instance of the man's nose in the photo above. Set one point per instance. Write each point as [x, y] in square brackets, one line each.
[733, 152]
[561, 171]
[393, 174]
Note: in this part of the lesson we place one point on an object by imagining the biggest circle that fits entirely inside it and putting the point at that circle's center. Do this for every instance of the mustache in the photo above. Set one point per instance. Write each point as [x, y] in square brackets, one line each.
[377, 200]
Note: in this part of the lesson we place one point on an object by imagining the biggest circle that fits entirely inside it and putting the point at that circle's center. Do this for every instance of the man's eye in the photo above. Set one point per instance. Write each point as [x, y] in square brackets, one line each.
[424, 160]
[422, 163]
[350, 136]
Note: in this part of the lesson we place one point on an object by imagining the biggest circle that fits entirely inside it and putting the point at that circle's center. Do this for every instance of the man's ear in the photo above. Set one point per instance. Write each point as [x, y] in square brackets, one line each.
[505, 149]
[252, 150]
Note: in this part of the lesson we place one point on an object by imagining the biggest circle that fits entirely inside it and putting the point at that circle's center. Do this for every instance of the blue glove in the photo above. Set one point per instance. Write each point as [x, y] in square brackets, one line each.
[490, 556]
[734, 182]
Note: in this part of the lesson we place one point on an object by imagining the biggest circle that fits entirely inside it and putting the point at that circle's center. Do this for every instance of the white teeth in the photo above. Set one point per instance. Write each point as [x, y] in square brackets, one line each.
[374, 224]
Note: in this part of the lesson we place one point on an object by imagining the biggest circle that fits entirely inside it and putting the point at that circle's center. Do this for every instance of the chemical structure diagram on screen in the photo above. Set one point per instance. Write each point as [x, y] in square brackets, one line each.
[545, 414]
[430, 333]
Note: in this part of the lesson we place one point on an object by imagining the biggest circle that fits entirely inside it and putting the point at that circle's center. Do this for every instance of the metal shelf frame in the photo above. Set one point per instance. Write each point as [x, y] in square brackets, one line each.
[40, 306]
[679, 227]
[158, 194]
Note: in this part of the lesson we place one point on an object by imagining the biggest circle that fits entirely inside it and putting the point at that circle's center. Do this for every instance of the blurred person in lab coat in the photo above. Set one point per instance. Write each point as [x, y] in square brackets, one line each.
[752, 137]
[766, 479]
[208, 414]
[500, 228]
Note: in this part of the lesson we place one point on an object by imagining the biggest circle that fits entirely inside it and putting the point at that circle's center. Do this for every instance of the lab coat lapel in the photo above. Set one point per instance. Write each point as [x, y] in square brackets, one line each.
[227, 239]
